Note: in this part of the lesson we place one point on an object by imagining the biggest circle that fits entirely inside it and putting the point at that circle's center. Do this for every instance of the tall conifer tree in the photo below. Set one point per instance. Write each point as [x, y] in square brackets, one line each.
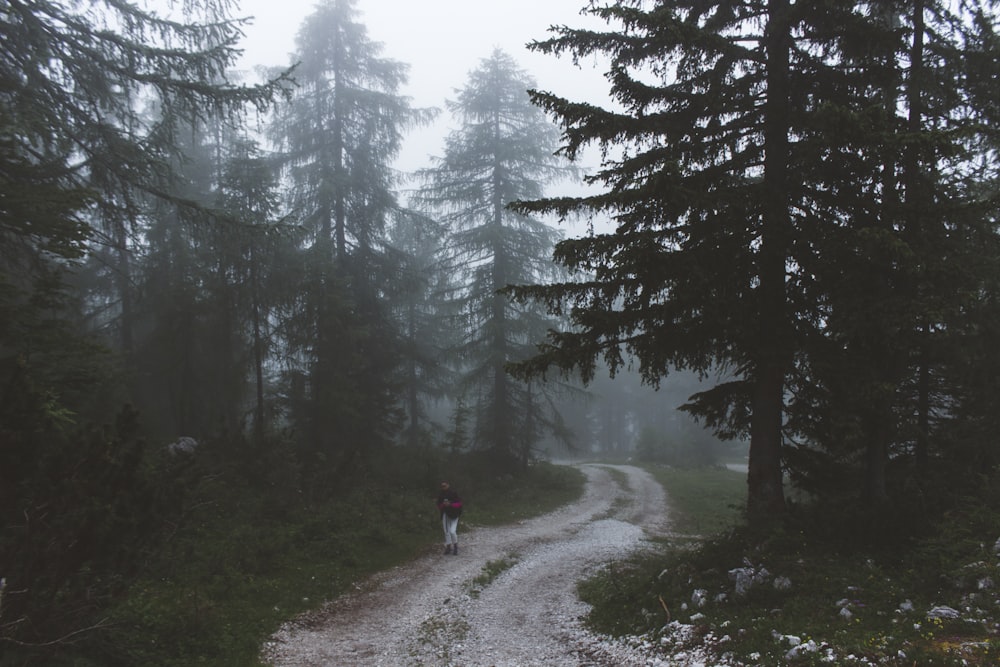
[777, 215]
[249, 195]
[78, 158]
[905, 264]
[339, 135]
[502, 152]
[696, 274]
[422, 309]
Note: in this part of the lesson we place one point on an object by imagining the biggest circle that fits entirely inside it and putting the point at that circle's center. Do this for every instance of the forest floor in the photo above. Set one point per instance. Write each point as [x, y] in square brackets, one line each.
[508, 599]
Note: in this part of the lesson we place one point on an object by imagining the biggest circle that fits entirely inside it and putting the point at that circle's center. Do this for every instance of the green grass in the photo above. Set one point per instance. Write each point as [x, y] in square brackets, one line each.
[886, 585]
[443, 633]
[233, 576]
[622, 501]
[702, 501]
[497, 500]
[491, 570]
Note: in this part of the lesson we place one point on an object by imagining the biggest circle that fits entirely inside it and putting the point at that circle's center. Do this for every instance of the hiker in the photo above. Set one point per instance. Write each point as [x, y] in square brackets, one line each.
[450, 505]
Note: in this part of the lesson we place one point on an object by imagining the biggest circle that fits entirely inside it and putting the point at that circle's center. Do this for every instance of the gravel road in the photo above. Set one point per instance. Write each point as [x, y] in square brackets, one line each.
[430, 612]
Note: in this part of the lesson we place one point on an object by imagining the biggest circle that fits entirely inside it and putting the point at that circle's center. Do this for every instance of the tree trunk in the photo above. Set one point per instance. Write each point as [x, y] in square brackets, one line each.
[765, 488]
[765, 492]
[923, 403]
[258, 343]
[502, 412]
[413, 398]
[876, 460]
[123, 278]
[915, 196]
[339, 176]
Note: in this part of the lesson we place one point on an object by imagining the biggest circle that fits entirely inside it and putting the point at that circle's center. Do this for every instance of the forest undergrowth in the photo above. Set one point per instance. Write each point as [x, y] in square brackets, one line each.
[246, 548]
[909, 585]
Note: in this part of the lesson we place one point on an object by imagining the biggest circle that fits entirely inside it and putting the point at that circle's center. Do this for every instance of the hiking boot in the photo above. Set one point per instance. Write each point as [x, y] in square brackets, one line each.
[455, 552]
[447, 549]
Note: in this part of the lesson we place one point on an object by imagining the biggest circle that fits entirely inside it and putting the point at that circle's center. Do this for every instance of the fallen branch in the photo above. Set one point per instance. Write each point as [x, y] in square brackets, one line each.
[665, 610]
[103, 623]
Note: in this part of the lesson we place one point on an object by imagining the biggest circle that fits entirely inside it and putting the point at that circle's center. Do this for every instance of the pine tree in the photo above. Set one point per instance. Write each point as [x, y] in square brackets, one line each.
[249, 195]
[902, 269]
[76, 78]
[696, 274]
[501, 153]
[339, 135]
[184, 339]
[422, 311]
[78, 162]
[979, 357]
[342, 129]
[774, 216]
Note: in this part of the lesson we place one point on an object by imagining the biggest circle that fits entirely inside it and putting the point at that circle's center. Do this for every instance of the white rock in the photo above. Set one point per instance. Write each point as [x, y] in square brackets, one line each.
[183, 445]
[745, 577]
[799, 649]
[943, 611]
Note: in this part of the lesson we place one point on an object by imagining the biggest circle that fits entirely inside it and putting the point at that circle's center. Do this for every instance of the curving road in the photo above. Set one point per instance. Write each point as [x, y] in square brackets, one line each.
[428, 613]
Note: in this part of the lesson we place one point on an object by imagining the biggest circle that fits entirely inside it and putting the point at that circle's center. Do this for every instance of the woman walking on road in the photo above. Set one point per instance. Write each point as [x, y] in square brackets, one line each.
[450, 505]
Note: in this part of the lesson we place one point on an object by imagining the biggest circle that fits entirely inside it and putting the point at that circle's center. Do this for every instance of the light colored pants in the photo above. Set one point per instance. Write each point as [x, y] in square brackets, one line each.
[450, 529]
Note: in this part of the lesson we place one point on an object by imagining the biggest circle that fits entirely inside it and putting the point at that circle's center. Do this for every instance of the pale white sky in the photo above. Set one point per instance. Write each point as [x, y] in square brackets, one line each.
[441, 41]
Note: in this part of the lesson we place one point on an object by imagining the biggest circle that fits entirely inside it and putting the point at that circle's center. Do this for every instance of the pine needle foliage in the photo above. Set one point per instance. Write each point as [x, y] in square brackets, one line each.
[797, 196]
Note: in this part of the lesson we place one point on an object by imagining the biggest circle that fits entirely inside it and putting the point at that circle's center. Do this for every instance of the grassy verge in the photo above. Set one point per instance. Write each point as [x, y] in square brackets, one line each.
[240, 564]
[490, 571]
[544, 487]
[814, 591]
[236, 572]
[702, 501]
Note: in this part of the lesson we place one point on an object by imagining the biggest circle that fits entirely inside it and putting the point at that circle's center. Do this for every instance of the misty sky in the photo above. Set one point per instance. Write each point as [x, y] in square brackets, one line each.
[442, 41]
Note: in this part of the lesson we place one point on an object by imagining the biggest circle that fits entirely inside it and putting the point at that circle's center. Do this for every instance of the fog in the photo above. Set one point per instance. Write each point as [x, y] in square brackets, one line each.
[441, 41]
[240, 348]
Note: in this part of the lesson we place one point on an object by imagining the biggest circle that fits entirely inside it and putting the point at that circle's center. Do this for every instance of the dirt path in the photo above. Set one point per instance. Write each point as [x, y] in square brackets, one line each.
[426, 612]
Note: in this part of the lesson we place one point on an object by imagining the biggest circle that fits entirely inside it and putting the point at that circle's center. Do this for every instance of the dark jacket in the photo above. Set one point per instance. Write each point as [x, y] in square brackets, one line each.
[454, 507]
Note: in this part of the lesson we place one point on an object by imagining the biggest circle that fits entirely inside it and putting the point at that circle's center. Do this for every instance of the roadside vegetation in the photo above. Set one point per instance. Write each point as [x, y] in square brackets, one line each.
[912, 586]
[246, 550]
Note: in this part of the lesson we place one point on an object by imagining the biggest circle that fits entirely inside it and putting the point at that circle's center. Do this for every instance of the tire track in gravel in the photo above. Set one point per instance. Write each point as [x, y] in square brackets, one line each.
[422, 613]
